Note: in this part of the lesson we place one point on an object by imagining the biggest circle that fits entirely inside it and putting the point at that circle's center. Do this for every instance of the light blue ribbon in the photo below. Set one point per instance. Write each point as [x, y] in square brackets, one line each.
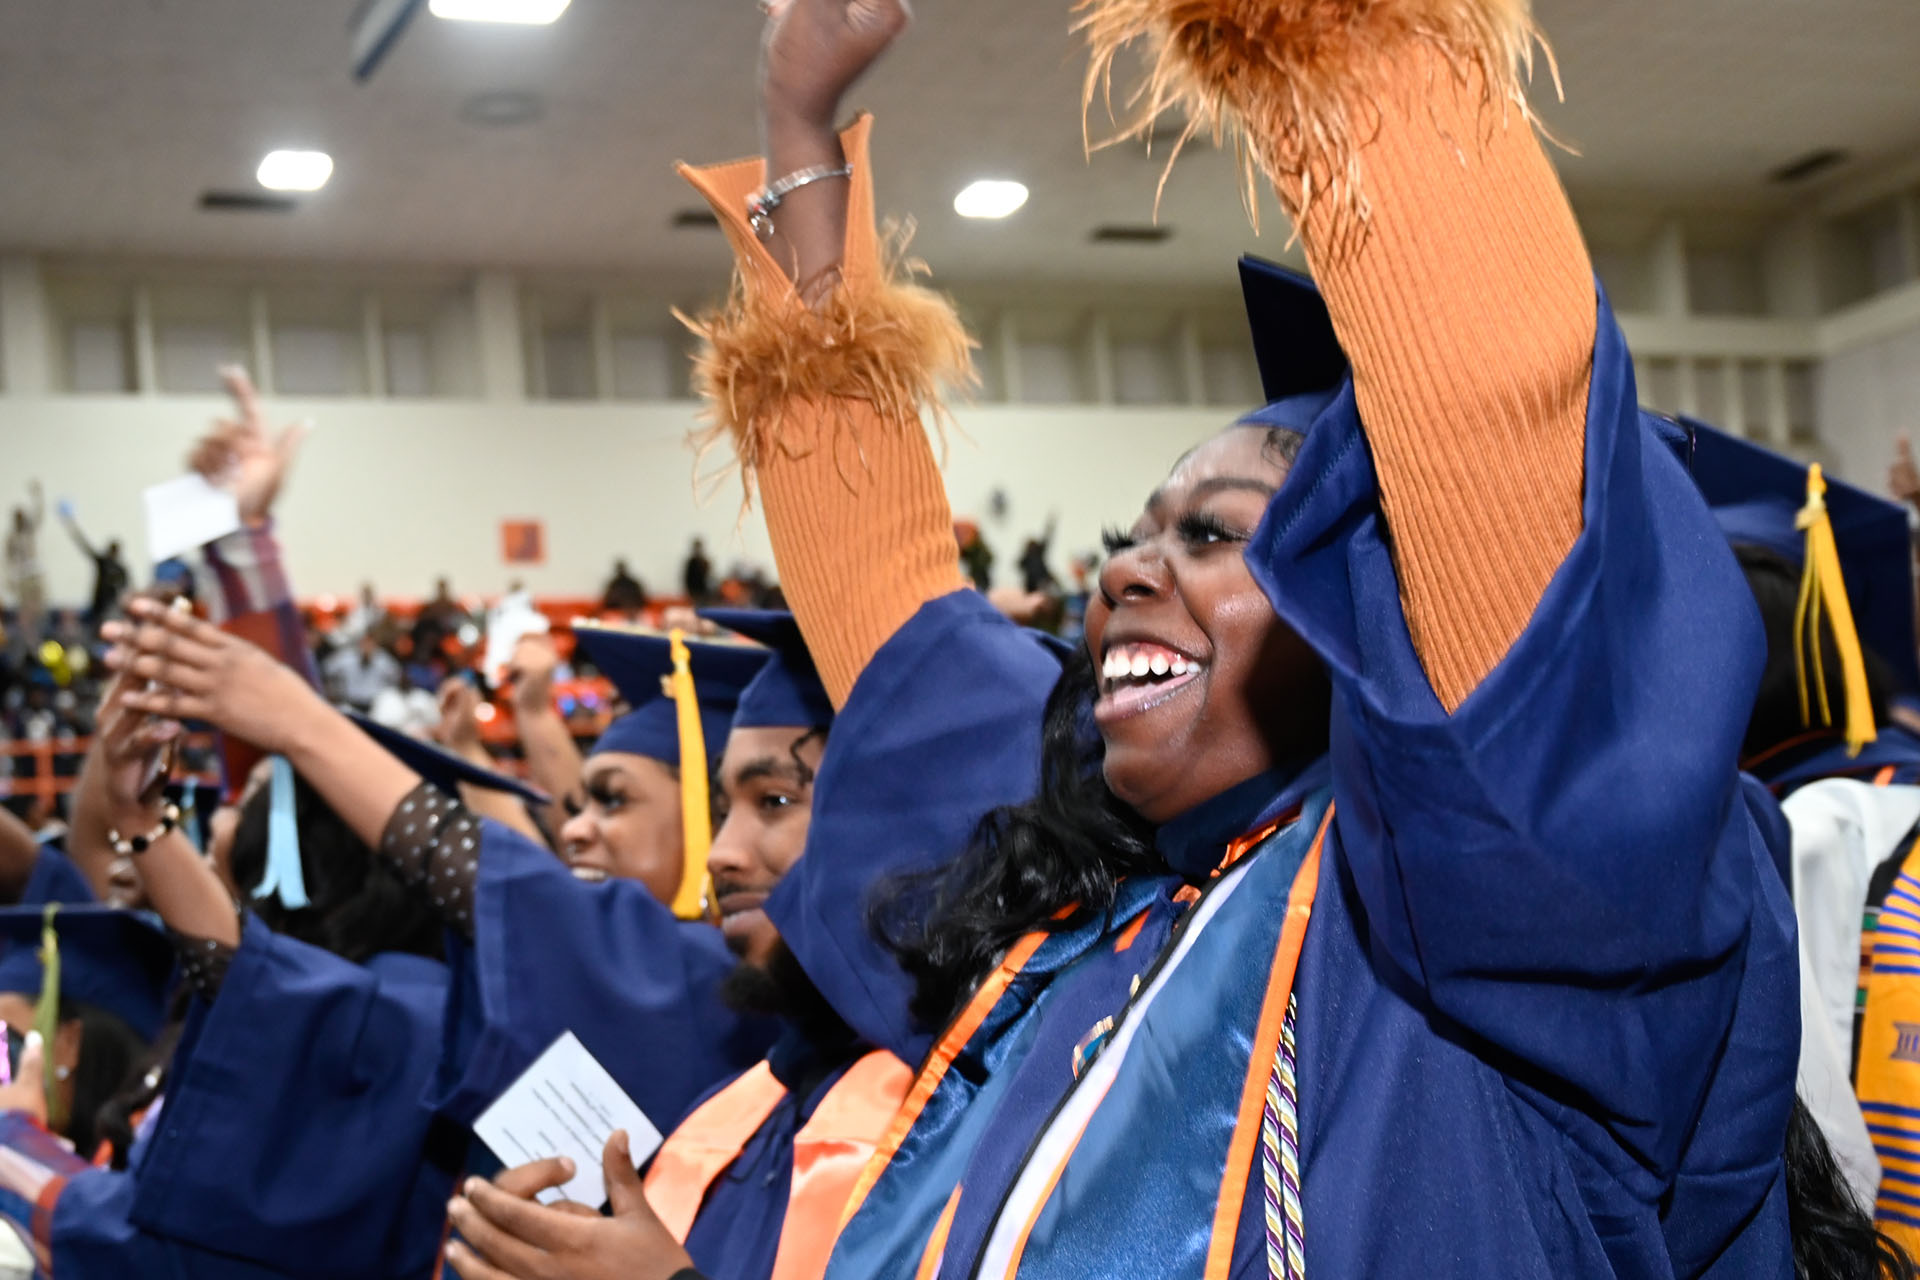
[284, 876]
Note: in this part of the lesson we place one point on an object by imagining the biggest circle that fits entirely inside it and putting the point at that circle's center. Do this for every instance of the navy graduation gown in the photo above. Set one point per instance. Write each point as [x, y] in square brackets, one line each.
[737, 1232]
[1547, 1002]
[55, 879]
[1824, 755]
[942, 726]
[608, 962]
[292, 1140]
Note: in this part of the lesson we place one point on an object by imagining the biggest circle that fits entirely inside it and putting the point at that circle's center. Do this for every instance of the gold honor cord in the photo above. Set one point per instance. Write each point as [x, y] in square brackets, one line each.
[46, 1015]
[1823, 592]
[696, 801]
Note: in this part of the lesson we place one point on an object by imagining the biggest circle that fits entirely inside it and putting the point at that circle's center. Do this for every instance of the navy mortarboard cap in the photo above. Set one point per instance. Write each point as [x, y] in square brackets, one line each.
[684, 693]
[1301, 363]
[442, 768]
[116, 960]
[787, 692]
[640, 663]
[1758, 495]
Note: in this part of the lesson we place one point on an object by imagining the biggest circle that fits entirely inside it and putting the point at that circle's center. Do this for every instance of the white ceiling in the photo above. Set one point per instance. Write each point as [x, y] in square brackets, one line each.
[119, 113]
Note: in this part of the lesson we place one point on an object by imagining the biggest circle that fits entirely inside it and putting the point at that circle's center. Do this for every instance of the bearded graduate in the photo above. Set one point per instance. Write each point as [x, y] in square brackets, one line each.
[752, 1182]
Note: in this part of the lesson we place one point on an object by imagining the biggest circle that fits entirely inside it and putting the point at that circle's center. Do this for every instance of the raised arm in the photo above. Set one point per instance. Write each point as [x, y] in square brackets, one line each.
[203, 673]
[553, 759]
[19, 852]
[74, 531]
[181, 885]
[1398, 135]
[460, 733]
[821, 384]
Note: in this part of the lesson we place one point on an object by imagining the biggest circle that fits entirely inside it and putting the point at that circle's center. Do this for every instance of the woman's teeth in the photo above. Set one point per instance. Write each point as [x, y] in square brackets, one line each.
[1144, 662]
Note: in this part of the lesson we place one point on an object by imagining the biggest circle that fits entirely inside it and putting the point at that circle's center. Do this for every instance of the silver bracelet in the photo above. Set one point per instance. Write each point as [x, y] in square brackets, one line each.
[762, 203]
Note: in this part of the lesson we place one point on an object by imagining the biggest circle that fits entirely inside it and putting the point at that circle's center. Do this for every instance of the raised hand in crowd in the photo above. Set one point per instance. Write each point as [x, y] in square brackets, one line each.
[459, 732]
[134, 759]
[553, 760]
[815, 51]
[200, 672]
[506, 1235]
[241, 454]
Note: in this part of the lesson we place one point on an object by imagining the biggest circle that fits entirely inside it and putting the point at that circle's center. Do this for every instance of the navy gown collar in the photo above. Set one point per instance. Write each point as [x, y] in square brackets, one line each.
[1194, 843]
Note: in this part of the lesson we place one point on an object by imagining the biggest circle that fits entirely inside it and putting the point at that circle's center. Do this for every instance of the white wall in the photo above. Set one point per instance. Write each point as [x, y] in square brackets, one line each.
[1868, 395]
[1868, 385]
[399, 493]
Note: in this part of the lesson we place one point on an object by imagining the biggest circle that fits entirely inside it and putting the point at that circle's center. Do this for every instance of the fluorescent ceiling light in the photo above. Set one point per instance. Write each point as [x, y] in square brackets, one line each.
[990, 198]
[295, 170]
[527, 13]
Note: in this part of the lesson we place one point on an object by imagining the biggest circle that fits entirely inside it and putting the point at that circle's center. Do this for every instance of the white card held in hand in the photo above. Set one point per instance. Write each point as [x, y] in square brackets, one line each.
[566, 1104]
[187, 513]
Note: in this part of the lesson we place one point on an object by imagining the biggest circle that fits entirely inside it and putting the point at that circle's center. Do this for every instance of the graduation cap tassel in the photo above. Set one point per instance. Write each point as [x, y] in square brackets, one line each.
[1823, 593]
[696, 812]
[285, 874]
[46, 1014]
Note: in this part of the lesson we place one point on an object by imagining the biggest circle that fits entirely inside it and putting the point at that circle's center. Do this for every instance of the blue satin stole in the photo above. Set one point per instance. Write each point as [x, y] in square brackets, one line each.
[989, 1102]
[1136, 1191]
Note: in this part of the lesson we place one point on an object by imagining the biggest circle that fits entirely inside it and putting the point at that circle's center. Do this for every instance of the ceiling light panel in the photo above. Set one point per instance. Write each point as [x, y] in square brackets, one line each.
[526, 13]
[295, 170]
[990, 198]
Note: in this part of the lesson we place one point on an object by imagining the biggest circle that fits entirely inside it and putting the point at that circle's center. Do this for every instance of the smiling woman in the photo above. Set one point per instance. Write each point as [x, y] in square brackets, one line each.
[1372, 852]
[1202, 687]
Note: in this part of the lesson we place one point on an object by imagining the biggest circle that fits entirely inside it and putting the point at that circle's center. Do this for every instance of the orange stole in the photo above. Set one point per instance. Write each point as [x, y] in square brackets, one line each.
[829, 1153]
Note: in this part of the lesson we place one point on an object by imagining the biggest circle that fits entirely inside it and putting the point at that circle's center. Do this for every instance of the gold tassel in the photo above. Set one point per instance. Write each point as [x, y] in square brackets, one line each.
[696, 802]
[1823, 592]
[46, 1014]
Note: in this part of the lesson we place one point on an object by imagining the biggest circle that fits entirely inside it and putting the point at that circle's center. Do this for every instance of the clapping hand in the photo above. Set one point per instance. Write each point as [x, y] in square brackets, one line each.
[505, 1235]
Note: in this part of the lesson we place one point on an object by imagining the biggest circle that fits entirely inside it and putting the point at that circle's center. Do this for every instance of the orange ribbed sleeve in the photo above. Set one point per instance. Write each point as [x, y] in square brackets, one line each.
[1397, 133]
[824, 407]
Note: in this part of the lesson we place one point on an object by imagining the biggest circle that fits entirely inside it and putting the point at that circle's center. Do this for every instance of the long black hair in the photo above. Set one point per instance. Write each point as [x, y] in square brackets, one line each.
[1833, 1236]
[1070, 846]
[110, 1050]
[1775, 583]
[358, 905]
[115, 1119]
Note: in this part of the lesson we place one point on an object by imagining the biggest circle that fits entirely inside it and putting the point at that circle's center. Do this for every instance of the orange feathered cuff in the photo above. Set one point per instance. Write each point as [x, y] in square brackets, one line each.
[877, 338]
[825, 408]
[1294, 84]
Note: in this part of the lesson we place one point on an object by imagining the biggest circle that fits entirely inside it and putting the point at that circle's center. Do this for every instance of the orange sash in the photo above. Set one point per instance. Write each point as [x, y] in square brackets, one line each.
[829, 1153]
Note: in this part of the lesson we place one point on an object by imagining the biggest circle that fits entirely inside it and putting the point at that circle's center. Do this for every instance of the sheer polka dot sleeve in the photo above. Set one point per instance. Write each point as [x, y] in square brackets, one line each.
[433, 841]
[203, 962]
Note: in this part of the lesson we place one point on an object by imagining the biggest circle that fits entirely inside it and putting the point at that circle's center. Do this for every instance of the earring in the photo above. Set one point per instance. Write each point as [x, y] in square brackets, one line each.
[62, 1073]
